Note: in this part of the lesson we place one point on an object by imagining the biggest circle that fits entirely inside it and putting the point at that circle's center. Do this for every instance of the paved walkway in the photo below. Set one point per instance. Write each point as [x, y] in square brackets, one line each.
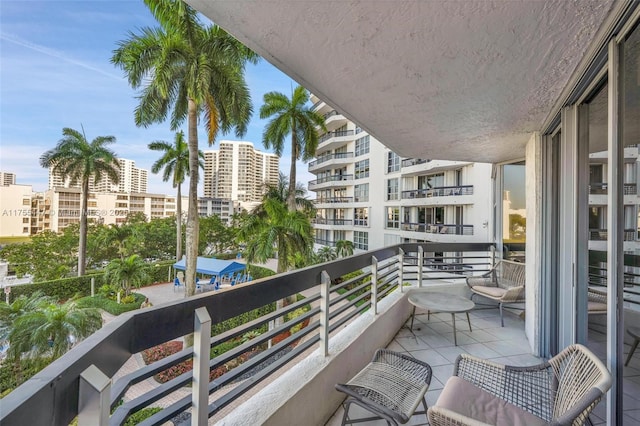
[159, 294]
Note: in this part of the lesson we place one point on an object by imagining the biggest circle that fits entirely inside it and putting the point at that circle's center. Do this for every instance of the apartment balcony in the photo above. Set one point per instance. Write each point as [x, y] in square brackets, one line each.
[333, 140]
[324, 242]
[602, 235]
[408, 162]
[330, 182]
[440, 229]
[279, 383]
[342, 330]
[330, 161]
[331, 202]
[331, 223]
[602, 188]
[440, 191]
[333, 120]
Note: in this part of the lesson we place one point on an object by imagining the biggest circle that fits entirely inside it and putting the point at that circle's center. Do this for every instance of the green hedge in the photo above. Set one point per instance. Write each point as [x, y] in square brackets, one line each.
[259, 272]
[111, 306]
[61, 289]
[14, 374]
[66, 288]
[159, 272]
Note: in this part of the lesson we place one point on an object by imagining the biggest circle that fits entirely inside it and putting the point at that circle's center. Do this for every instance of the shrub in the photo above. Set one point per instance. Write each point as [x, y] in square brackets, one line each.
[129, 299]
[61, 289]
[13, 374]
[141, 415]
[259, 272]
[111, 306]
[159, 352]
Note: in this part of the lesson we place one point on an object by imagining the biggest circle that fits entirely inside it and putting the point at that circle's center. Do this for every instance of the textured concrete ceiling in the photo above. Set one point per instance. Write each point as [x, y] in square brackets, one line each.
[458, 80]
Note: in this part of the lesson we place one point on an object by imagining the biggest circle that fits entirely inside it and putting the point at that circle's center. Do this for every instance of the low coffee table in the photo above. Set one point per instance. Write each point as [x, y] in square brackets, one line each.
[441, 302]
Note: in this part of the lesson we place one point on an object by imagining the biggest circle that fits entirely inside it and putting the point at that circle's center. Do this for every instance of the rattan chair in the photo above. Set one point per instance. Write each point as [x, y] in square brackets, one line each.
[562, 391]
[597, 301]
[391, 386]
[504, 283]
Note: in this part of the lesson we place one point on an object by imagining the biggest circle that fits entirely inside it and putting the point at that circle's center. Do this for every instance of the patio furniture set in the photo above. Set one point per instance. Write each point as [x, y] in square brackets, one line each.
[562, 391]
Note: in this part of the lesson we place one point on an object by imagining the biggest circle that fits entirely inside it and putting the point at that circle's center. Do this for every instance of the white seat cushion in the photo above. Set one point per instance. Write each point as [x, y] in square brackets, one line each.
[493, 292]
[464, 398]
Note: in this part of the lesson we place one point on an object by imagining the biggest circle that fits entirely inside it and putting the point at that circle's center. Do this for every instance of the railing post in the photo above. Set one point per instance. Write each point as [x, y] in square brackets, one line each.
[325, 283]
[93, 286]
[420, 264]
[94, 398]
[374, 285]
[401, 269]
[201, 350]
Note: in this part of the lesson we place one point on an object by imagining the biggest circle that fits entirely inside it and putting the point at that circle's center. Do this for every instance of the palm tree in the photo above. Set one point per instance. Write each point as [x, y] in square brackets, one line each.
[195, 71]
[79, 160]
[291, 116]
[175, 162]
[280, 191]
[344, 248]
[9, 312]
[278, 230]
[127, 273]
[326, 254]
[51, 328]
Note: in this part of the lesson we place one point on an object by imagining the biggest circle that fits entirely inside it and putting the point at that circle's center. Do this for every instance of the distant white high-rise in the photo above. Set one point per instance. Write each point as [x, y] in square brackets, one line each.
[7, 178]
[367, 194]
[132, 179]
[237, 171]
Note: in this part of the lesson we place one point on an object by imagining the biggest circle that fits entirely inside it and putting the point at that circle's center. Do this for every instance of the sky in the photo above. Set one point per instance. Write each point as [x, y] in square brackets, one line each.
[55, 72]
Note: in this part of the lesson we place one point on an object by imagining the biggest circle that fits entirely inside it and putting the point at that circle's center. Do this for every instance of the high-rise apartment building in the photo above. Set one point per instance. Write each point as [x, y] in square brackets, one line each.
[7, 178]
[367, 194]
[131, 179]
[237, 171]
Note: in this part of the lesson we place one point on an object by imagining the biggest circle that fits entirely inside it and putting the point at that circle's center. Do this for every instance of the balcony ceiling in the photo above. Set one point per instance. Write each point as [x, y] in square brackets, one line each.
[454, 80]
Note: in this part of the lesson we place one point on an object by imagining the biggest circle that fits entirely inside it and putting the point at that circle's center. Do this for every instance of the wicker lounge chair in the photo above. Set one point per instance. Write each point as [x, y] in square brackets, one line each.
[503, 284]
[562, 391]
[597, 301]
[391, 386]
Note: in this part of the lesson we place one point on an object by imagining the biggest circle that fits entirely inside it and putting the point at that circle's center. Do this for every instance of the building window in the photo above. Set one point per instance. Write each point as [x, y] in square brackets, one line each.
[361, 240]
[393, 217]
[393, 162]
[362, 145]
[361, 192]
[361, 216]
[392, 189]
[362, 169]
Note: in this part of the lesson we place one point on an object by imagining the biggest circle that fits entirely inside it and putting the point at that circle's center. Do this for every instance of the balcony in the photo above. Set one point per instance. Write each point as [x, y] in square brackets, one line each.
[332, 140]
[54, 395]
[443, 229]
[334, 222]
[324, 242]
[440, 191]
[413, 162]
[602, 235]
[328, 161]
[330, 181]
[602, 188]
[332, 200]
[348, 320]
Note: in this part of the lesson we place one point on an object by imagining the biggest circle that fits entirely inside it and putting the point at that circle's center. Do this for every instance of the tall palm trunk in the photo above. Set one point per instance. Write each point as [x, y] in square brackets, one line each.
[82, 243]
[291, 196]
[179, 223]
[191, 248]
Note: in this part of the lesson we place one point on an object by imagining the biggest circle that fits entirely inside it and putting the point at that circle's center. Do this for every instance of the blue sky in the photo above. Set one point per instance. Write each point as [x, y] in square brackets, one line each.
[55, 72]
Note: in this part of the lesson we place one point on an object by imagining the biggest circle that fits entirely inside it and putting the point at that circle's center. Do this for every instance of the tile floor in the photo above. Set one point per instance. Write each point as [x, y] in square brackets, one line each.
[433, 343]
